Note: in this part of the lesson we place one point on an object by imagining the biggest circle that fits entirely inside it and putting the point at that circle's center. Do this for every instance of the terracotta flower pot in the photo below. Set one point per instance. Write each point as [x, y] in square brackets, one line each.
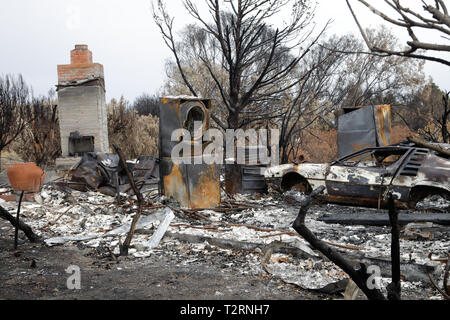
[26, 177]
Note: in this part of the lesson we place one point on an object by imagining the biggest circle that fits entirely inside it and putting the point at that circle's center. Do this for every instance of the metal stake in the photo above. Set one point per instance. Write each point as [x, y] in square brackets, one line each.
[116, 176]
[16, 234]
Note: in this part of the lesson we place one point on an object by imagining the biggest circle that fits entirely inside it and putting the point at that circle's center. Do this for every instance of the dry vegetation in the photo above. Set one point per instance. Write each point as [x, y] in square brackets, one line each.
[296, 91]
[318, 145]
[135, 135]
[40, 140]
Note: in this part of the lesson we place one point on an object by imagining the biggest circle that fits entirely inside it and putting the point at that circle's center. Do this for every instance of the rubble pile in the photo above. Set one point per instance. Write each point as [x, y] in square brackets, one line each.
[259, 227]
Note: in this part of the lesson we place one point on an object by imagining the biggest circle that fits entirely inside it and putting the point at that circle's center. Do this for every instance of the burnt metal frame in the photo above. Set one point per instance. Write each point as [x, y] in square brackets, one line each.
[384, 188]
[355, 154]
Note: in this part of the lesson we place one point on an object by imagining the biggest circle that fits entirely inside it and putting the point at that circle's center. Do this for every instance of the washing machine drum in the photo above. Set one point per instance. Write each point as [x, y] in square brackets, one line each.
[193, 112]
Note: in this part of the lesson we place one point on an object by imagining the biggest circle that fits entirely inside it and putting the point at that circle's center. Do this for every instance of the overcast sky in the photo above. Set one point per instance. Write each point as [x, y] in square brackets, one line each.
[38, 35]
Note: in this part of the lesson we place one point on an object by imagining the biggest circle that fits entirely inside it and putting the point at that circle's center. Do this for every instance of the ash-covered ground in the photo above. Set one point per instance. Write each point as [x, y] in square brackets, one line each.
[248, 251]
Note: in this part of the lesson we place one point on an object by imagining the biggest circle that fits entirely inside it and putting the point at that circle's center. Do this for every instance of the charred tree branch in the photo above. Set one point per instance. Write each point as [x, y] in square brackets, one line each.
[433, 282]
[140, 199]
[409, 20]
[446, 275]
[424, 144]
[360, 276]
[4, 214]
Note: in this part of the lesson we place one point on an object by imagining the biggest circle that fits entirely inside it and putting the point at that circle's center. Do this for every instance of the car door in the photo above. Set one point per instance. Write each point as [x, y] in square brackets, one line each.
[355, 181]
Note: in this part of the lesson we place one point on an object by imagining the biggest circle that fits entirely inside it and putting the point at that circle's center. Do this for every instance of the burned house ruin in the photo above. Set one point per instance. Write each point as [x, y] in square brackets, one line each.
[82, 107]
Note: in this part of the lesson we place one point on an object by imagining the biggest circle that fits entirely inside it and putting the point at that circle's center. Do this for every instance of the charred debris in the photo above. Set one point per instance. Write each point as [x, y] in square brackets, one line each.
[106, 201]
[287, 230]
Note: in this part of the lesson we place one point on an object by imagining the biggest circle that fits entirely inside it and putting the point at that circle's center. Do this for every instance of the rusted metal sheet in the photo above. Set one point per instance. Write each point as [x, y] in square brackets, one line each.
[364, 127]
[180, 113]
[382, 219]
[192, 183]
[383, 124]
[204, 188]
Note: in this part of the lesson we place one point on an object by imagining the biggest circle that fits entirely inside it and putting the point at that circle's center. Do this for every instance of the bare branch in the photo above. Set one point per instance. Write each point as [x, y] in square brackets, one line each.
[409, 19]
[165, 24]
[358, 276]
[246, 59]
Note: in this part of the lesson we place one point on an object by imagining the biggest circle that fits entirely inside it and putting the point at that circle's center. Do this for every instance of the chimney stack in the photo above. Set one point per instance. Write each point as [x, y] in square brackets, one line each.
[81, 55]
[81, 66]
[82, 105]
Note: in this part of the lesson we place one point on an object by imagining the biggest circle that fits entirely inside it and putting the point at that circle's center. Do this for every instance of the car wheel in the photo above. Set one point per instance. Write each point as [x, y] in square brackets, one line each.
[418, 194]
[294, 181]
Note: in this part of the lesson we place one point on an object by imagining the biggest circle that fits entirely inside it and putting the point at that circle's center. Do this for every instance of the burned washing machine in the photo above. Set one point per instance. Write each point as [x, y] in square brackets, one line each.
[193, 183]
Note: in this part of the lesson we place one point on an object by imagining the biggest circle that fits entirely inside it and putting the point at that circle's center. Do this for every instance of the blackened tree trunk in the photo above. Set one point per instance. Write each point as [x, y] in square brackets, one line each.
[4, 214]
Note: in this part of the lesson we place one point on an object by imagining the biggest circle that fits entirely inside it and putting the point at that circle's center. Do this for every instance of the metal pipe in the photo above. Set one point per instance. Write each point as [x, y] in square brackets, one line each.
[116, 176]
[16, 234]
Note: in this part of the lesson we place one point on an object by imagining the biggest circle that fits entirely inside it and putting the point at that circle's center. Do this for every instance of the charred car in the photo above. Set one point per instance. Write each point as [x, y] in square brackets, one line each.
[365, 177]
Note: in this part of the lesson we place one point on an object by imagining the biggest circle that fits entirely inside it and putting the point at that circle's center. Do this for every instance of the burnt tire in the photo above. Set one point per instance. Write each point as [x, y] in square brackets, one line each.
[294, 181]
[418, 194]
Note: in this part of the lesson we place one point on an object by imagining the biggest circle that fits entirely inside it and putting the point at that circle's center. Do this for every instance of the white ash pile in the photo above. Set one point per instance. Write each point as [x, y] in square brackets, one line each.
[259, 226]
[434, 202]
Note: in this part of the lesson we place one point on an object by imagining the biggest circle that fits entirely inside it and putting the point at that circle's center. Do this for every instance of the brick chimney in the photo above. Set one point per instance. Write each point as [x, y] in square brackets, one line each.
[82, 105]
[81, 66]
[80, 55]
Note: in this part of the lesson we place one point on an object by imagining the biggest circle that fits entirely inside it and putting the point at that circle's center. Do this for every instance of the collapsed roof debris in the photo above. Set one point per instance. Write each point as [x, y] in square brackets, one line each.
[103, 172]
[164, 217]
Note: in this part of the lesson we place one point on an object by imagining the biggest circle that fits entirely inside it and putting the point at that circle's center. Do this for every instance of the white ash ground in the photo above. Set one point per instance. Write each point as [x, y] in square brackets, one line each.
[57, 214]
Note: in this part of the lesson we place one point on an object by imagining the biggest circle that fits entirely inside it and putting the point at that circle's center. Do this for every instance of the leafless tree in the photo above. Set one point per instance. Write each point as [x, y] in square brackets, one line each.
[14, 99]
[364, 79]
[425, 111]
[433, 18]
[236, 38]
[308, 101]
[146, 105]
[331, 79]
[444, 121]
[40, 140]
[437, 129]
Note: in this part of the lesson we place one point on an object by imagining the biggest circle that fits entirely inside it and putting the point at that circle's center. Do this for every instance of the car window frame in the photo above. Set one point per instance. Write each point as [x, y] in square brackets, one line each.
[341, 161]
